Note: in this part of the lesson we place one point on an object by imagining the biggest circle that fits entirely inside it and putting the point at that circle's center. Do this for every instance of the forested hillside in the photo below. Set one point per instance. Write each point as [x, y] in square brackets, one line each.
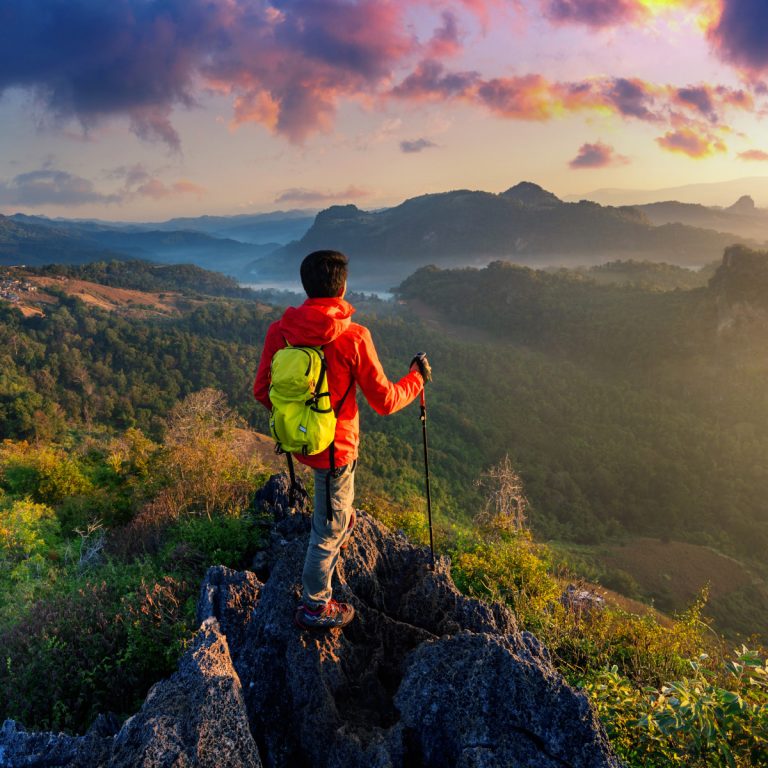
[625, 411]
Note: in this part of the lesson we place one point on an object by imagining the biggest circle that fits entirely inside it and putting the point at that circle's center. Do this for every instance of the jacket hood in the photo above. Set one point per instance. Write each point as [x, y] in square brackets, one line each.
[316, 321]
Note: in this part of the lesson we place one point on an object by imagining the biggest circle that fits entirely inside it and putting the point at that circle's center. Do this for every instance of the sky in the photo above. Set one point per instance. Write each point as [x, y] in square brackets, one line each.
[149, 109]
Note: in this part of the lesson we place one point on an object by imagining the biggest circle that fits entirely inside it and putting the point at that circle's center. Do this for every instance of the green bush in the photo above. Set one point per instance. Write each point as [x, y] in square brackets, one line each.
[46, 473]
[702, 720]
[223, 540]
[60, 663]
[159, 621]
[511, 568]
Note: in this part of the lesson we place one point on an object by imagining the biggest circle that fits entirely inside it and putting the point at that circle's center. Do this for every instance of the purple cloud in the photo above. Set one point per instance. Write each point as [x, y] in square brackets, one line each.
[51, 187]
[698, 98]
[593, 13]
[631, 98]
[597, 155]
[431, 80]
[740, 34]
[286, 63]
[417, 145]
[314, 196]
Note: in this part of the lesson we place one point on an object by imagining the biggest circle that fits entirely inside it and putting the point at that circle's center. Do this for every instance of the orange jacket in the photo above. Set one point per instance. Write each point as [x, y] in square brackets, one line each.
[351, 360]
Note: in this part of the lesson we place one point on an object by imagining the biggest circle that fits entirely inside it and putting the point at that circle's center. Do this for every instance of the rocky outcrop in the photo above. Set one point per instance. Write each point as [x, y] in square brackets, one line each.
[424, 676]
[197, 717]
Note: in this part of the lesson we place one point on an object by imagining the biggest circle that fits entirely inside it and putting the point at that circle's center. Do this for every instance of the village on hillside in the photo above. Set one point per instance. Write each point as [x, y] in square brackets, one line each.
[15, 289]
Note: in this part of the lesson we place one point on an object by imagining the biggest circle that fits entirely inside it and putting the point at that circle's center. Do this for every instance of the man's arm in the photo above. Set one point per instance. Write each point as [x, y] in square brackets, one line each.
[383, 396]
[272, 343]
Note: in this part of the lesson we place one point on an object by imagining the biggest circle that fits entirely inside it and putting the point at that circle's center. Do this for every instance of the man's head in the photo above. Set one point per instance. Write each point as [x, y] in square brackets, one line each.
[324, 274]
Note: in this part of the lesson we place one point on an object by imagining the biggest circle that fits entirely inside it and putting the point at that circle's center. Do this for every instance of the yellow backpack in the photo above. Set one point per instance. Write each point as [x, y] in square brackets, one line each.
[302, 420]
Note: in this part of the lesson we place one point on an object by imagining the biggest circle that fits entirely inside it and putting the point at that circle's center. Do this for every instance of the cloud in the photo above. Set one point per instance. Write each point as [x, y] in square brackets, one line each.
[417, 145]
[51, 187]
[755, 155]
[526, 98]
[285, 64]
[594, 13]
[536, 98]
[314, 196]
[631, 98]
[158, 190]
[597, 155]
[739, 34]
[431, 81]
[446, 40]
[698, 98]
[691, 142]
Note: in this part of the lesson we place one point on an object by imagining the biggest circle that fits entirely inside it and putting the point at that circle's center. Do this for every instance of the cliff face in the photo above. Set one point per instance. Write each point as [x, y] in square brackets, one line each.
[423, 677]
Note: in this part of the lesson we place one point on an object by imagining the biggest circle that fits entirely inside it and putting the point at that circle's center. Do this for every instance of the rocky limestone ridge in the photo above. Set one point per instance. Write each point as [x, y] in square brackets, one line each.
[424, 676]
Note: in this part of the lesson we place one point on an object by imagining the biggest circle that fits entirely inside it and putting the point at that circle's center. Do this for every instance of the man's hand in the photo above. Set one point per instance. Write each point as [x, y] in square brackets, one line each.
[421, 364]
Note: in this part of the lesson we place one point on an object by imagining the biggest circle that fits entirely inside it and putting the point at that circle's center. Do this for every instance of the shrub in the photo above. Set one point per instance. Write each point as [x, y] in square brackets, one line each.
[45, 473]
[510, 568]
[159, 620]
[28, 531]
[411, 519]
[225, 540]
[60, 662]
[206, 464]
[698, 721]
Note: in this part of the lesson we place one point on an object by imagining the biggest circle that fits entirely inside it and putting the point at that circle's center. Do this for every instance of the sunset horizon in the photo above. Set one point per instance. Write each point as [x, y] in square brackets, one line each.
[148, 111]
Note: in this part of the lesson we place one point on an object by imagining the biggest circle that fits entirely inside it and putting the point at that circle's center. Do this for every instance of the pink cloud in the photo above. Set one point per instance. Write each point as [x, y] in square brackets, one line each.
[755, 155]
[430, 81]
[158, 190]
[446, 40]
[597, 155]
[286, 65]
[692, 142]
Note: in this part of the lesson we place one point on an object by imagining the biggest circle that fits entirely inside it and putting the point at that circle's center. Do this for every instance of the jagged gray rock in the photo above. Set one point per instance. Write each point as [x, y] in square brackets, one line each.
[424, 676]
[19, 747]
[195, 718]
[478, 699]
[228, 596]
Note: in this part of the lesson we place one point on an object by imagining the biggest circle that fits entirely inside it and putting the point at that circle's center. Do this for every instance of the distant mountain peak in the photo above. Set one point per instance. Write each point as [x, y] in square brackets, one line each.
[745, 204]
[528, 193]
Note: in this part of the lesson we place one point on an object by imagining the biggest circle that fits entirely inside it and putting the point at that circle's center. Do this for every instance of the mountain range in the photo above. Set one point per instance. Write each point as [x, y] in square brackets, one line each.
[525, 224]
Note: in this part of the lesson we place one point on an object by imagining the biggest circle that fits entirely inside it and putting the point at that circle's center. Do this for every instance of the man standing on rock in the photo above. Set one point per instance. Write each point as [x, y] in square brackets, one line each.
[324, 320]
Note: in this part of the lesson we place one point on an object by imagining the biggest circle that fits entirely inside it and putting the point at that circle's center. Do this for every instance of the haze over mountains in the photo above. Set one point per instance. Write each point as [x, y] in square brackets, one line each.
[525, 224]
[718, 193]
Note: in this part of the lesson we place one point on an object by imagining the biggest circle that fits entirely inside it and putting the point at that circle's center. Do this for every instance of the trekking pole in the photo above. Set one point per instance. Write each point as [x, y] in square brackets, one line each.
[426, 472]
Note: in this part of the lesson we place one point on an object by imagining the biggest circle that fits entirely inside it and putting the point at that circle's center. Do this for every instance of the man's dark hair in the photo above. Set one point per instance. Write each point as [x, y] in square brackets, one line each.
[323, 274]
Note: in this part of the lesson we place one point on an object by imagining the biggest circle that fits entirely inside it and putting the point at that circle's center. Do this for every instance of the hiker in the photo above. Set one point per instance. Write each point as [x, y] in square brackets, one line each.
[324, 320]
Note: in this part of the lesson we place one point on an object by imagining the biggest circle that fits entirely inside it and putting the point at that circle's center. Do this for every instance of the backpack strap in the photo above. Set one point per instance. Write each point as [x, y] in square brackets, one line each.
[292, 472]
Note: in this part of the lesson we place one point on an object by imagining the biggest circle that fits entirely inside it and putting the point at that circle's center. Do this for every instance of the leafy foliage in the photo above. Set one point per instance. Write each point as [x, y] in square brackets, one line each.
[701, 720]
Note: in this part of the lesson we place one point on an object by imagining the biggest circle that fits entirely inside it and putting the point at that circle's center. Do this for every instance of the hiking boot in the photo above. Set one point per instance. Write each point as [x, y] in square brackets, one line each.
[330, 616]
[347, 538]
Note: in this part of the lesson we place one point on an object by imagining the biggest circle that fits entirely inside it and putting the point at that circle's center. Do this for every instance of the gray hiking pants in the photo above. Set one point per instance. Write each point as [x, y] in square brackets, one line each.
[326, 538]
